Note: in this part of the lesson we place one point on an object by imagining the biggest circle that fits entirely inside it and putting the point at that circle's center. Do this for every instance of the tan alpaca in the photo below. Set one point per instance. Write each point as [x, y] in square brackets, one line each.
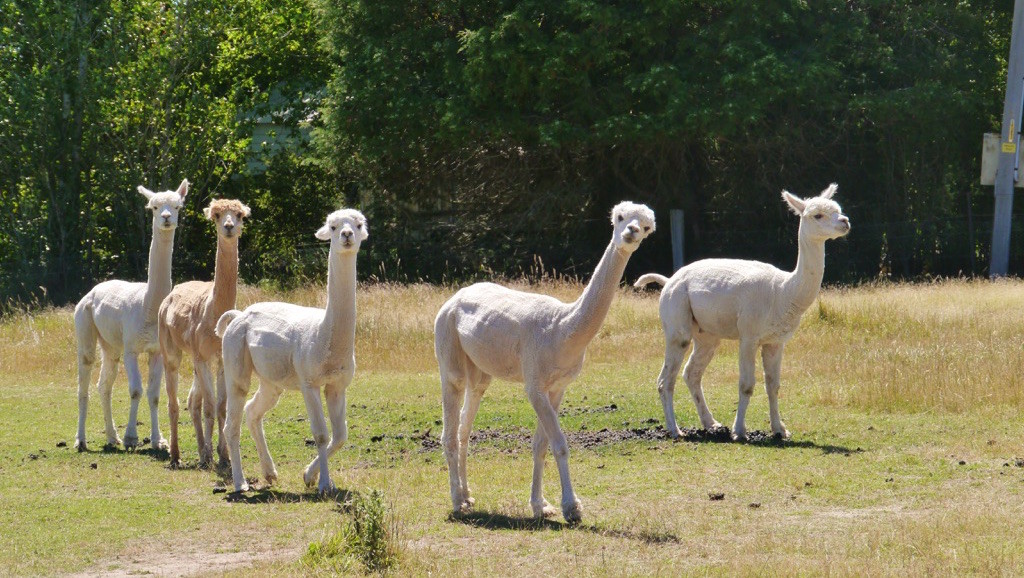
[187, 318]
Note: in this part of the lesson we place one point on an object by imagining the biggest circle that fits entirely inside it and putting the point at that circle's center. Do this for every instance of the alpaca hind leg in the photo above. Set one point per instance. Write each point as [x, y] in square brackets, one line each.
[172, 363]
[131, 367]
[204, 410]
[452, 390]
[674, 352]
[222, 398]
[703, 350]
[156, 371]
[318, 427]
[237, 386]
[334, 393]
[771, 356]
[748, 355]
[85, 331]
[105, 385]
[572, 510]
[266, 398]
[194, 404]
[541, 508]
[471, 404]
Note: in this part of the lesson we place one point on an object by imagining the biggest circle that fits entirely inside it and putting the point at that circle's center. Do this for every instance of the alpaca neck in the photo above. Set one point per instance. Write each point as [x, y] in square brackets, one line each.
[225, 276]
[158, 283]
[804, 282]
[586, 314]
[339, 324]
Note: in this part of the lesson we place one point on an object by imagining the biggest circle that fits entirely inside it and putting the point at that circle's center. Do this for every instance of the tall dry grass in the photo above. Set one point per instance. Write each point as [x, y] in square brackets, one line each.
[894, 347]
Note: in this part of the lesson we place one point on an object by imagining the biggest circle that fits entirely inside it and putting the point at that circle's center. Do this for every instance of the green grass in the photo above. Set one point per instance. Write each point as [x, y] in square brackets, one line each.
[887, 389]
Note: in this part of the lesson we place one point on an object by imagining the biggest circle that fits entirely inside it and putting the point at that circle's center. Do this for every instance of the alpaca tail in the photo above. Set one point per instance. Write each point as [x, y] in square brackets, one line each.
[649, 278]
[225, 320]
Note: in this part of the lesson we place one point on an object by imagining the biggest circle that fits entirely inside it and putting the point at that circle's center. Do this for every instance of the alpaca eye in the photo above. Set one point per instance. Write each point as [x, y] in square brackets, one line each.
[216, 216]
[818, 216]
[333, 228]
[620, 218]
[647, 229]
[239, 215]
[359, 225]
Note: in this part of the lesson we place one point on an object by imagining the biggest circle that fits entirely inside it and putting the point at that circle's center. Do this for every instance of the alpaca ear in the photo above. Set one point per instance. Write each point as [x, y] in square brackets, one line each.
[183, 188]
[324, 234]
[795, 204]
[206, 212]
[831, 190]
[245, 211]
[146, 192]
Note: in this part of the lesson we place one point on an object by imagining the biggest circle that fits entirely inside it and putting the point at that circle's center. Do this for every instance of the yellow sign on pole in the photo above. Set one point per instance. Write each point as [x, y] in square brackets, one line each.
[1009, 147]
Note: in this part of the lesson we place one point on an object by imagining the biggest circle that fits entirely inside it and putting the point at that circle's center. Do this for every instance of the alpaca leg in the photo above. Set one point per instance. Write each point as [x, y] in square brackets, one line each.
[667, 383]
[194, 403]
[266, 398]
[156, 371]
[451, 392]
[334, 392]
[131, 367]
[85, 332]
[572, 510]
[205, 407]
[540, 506]
[172, 362]
[748, 354]
[771, 356]
[318, 426]
[471, 404]
[108, 371]
[222, 399]
[693, 373]
[237, 386]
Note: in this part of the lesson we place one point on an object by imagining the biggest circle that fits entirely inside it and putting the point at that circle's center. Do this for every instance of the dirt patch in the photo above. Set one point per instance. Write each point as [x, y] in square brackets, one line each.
[178, 563]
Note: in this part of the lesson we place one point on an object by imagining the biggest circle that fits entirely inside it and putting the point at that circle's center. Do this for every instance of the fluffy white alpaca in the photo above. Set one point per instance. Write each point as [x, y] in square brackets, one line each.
[486, 331]
[294, 347]
[750, 301]
[187, 318]
[121, 316]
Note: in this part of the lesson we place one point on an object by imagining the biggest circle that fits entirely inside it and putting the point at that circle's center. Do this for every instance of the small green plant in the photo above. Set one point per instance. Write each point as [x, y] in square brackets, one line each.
[370, 537]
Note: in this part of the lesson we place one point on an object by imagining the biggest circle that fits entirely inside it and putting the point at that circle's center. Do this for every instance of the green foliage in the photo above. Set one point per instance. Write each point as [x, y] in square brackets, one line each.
[370, 538]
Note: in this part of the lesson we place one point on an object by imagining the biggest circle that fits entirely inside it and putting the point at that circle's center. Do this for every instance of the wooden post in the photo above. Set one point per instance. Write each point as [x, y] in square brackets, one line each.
[676, 218]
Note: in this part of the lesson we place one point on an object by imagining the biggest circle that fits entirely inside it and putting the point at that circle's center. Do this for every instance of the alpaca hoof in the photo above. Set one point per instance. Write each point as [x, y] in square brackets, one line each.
[160, 445]
[204, 464]
[310, 476]
[678, 434]
[573, 512]
[80, 445]
[271, 478]
[739, 436]
[243, 487]
[174, 464]
[325, 489]
[131, 442]
[782, 435]
[471, 501]
[544, 510]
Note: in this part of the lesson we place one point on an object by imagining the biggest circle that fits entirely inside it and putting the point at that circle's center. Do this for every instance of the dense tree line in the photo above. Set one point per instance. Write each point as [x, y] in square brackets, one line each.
[491, 138]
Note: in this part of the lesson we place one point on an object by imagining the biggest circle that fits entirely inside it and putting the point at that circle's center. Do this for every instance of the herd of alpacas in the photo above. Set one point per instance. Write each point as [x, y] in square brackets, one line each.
[484, 331]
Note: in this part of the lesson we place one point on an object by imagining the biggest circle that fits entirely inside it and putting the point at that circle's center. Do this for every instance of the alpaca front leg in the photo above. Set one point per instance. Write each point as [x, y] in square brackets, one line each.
[131, 367]
[335, 394]
[204, 410]
[771, 356]
[318, 426]
[572, 510]
[266, 397]
[156, 371]
[105, 385]
[222, 400]
[171, 372]
[747, 354]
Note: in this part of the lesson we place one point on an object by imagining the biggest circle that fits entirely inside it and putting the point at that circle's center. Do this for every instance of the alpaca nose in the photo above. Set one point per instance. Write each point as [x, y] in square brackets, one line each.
[229, 226]
[166, 216]
[347, 233]
[634, 229]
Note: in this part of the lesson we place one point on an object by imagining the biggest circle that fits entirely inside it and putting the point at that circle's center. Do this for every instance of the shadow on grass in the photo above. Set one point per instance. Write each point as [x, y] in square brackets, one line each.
[758, 438]
[492, 521]
[272, 496]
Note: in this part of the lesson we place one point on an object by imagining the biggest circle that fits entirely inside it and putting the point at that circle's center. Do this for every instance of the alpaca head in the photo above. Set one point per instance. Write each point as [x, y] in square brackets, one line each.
[165, 205]
[346, 229]
[632, 224]
[229, 216]
[821, 218]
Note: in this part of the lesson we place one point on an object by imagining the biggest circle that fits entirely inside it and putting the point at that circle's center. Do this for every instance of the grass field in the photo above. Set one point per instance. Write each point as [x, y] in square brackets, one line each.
[904, 402]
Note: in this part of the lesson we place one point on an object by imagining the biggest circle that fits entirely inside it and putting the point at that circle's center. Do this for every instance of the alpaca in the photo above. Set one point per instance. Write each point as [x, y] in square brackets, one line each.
[121, 316]
[188, 316]
[753, 302]
[293, 347]
[487, 330]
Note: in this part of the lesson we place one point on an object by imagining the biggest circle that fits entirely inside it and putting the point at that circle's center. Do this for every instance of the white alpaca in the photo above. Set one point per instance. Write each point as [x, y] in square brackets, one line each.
[754, 302]
[294, 347]
[121, 316]
[486, 331]
[187, 318]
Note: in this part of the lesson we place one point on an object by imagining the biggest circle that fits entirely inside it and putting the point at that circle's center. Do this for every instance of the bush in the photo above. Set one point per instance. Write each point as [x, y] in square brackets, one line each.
[370, 537]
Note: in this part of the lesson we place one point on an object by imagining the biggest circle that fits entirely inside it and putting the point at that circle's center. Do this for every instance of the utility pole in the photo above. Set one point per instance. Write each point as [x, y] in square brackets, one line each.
[1009, 141]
